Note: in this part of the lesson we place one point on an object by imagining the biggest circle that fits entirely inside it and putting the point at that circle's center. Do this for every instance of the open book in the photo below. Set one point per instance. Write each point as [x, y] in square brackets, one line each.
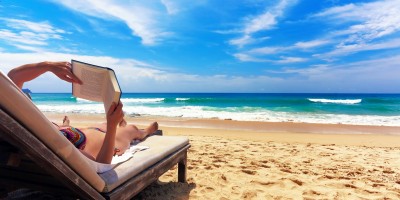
[99, 83]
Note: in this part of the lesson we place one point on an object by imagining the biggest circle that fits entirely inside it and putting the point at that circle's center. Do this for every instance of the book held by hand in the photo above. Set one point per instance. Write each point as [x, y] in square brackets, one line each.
[99, 83]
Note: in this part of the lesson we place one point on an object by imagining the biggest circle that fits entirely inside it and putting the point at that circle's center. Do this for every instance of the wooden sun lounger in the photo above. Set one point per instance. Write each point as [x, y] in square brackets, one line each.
[29, 158]
[26, 162]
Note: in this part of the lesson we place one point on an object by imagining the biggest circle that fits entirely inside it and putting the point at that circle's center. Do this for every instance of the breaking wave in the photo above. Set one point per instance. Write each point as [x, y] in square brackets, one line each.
[338, 101]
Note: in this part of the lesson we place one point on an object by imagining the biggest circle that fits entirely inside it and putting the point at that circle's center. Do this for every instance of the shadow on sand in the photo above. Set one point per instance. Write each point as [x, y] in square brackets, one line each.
[166, 191]
[157, 191]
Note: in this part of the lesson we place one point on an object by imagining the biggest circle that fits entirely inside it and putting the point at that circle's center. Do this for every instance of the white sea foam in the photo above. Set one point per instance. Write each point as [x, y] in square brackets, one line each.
[227, 113]
[182, 99]
[265, 115]
[338, 101]
[76, 108]
[142, 100]
[83, 100]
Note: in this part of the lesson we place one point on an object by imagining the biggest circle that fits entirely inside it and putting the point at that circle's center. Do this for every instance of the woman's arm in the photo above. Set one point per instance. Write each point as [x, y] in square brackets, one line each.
[114, 117]
[28, 72]
[87, 155]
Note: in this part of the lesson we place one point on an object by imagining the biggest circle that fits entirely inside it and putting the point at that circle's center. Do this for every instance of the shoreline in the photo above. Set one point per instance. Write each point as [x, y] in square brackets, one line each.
[291, 132]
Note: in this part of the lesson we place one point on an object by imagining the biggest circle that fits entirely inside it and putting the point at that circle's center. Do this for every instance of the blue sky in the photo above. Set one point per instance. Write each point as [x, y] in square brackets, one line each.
[211, 46]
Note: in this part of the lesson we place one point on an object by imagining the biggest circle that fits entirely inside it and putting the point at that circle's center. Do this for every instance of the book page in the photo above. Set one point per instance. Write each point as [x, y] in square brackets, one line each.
[112, 92]
[109, 96]
[99, 84]
[93, 82]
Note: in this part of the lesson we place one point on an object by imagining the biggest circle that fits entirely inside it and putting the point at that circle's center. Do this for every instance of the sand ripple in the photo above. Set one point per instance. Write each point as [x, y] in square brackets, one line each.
[221, 168]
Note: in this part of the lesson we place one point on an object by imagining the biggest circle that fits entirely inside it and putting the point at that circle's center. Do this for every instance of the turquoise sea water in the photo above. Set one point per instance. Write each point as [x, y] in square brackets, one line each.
[365, 109]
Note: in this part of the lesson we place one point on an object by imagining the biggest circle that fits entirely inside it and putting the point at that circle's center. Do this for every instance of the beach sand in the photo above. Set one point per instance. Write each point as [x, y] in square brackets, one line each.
[258, 160]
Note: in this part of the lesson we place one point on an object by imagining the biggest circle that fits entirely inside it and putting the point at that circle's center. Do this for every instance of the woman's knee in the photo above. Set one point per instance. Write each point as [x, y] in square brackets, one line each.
[133, 127]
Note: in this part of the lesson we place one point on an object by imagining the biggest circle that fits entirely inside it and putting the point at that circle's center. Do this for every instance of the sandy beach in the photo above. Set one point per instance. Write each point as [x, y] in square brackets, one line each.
[258, 160]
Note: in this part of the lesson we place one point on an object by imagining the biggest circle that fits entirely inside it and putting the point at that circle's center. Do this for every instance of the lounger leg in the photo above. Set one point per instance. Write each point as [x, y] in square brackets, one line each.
[182, 170]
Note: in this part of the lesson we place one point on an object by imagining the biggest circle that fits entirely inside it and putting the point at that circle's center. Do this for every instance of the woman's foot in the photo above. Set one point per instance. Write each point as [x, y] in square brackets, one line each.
[151, 128]
[65, 121]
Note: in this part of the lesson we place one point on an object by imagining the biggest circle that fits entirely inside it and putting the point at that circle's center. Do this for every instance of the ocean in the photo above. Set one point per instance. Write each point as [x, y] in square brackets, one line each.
[358, 109]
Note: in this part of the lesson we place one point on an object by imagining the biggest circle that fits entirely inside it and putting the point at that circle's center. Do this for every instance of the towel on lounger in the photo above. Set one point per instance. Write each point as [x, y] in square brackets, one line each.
[101, 167]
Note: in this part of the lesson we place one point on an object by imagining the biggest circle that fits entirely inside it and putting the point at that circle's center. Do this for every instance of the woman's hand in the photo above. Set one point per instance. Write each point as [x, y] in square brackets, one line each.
[63, 71]
[115, 114]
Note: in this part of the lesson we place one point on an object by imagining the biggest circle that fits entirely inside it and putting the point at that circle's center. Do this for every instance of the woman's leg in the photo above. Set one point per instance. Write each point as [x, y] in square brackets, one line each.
[131, 132]
[125, 135]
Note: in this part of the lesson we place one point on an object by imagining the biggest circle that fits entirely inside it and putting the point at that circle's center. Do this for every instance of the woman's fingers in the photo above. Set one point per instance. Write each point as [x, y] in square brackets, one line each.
[119, 111]
[111, 109]
[74, 78]
[65, 78]
[63, 71]
[120, 105]
[116, 109]
[66, 69]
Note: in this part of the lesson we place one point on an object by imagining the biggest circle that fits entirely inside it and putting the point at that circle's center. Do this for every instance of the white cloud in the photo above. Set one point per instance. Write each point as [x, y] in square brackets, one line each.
[246, 39]
[41, 27]
[128, 70]
[250, 57]
[265, 21]
[227, 31]
[357, 27]
[312, 71]
[176, 6]
[338, 11]
[28, 35]
[285, 59]
[311, 44]
[29, 48]
[368, 21]
[22, 38]
[139, 16]
[356, 77]
[171, 6]
[354, 48]
[268, 19]
[137, 76]
[362, 76]
[256, 54]
[356, 70]
[75, 27]
[134, 75]
[266, 50]
[247, 58]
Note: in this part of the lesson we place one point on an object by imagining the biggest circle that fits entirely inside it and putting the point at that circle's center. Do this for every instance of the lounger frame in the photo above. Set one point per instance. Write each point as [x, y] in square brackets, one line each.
[28, 163]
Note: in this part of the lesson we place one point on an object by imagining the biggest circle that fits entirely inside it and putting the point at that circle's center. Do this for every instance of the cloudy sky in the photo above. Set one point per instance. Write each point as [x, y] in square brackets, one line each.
[211, 46]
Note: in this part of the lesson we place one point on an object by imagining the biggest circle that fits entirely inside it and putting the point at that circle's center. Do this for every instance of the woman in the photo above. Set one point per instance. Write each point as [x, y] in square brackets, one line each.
[99, 143]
